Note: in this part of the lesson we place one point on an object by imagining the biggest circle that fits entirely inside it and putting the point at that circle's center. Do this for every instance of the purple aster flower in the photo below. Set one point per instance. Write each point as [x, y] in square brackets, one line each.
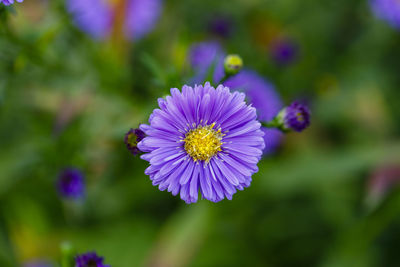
[9, 2]
[89, 259]
[263, 96]
[205, 56]
[70, 183]
[97, 17]
[283, 51]
[295, 117]
[132, 138]
[202, 139]
[388, 10]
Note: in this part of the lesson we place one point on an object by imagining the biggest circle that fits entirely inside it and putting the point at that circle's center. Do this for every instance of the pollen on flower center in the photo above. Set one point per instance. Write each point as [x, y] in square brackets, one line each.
[203, 142]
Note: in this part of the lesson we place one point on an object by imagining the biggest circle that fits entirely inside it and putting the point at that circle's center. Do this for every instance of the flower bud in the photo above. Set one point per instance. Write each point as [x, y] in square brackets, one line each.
[71, 184]
[132, 138]
[232, 64]
[90, 259]
[295, 117]
[284, 51]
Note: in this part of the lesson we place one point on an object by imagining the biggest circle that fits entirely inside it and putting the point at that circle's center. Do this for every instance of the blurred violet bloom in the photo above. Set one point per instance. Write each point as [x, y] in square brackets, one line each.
[9, 2]
[283, 51]
[388, 10]
[71, 184]
[263, 96]
[207, 59]
[221, 26]
[99, 17]
[90, 259]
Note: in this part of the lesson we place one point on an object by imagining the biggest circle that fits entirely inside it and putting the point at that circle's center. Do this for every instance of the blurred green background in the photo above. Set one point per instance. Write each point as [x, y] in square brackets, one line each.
[67, 100]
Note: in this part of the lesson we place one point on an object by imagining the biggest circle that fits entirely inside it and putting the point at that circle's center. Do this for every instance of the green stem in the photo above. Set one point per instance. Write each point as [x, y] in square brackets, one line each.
[67, 255]
[226, 77]
[273, 124]
[269, 124]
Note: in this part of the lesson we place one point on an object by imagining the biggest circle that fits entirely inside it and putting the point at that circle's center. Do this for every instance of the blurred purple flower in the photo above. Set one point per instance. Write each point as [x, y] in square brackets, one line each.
[202, 139]
[221, 26]
[284, 51]
[92, 16]
[70, 183]
[388, 10]
[97, 17]
[132, 138]
[263, 96]
[90, 259]
[141, 17]
[9, 2]
[205, 57]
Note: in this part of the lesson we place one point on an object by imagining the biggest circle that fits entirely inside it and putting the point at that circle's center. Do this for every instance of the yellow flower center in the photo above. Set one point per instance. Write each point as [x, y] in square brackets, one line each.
[203, 142]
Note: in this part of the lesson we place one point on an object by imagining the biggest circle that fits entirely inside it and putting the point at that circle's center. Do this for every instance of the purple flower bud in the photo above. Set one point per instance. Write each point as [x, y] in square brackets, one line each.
[132, 138]
[90, 259]
[221, 26]
[71, 184]
[295, 117]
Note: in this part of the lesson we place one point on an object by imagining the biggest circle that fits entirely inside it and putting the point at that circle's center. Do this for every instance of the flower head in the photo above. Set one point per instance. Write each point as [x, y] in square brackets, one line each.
[295, 117]
[233, 64]
[132, 138]
[207, 59]
[388, 10]
[202, 139]
[89, 259]
[70, 183]
[9, 2]
[263, 96]
[98, 18]
[283, 51]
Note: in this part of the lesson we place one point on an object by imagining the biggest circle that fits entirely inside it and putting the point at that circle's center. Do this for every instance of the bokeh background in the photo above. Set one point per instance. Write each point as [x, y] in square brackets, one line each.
[326, 197]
